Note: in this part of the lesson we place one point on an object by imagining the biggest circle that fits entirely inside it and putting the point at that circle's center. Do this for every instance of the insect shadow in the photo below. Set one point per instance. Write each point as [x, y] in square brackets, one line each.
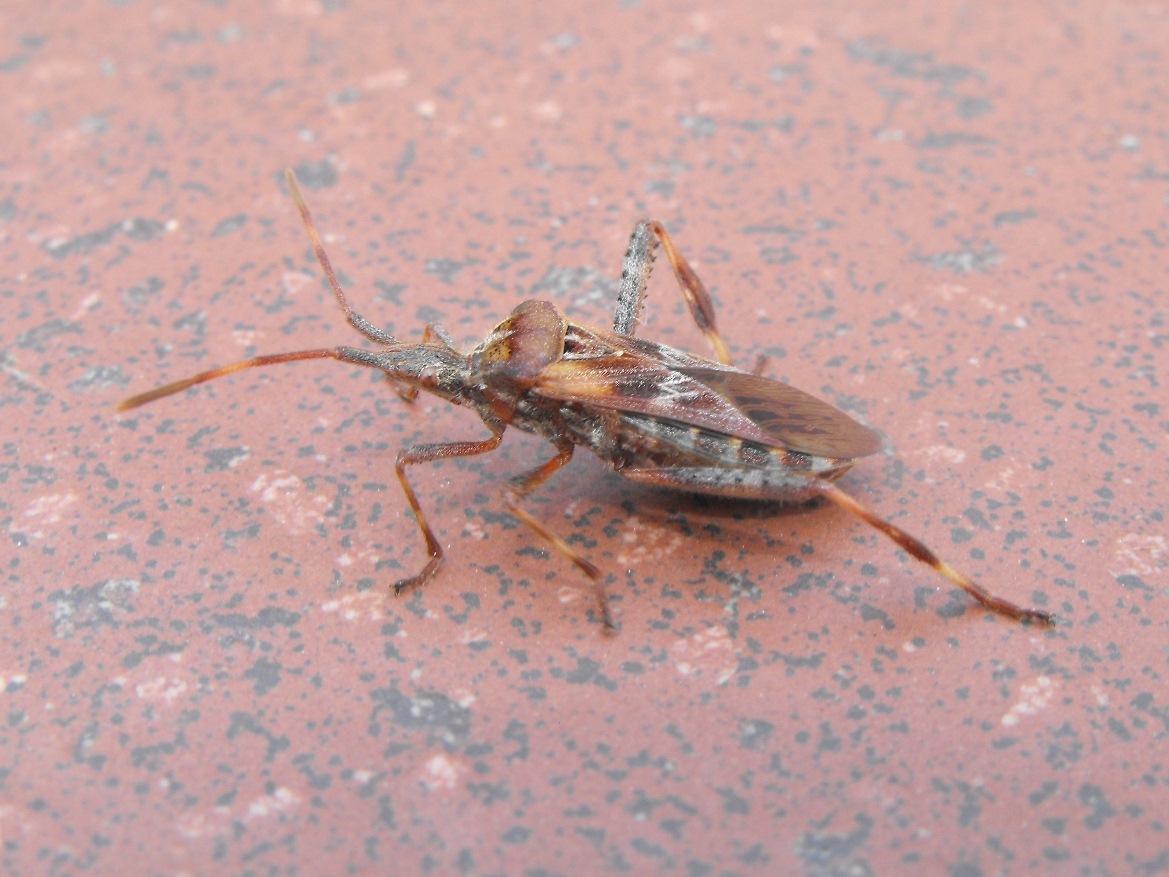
[654, 414]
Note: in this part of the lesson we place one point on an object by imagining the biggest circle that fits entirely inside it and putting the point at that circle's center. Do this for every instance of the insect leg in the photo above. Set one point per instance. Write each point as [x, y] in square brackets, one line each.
[919, 550]
[358, 322]
[520, 487]
[635, 276]
[426, 454]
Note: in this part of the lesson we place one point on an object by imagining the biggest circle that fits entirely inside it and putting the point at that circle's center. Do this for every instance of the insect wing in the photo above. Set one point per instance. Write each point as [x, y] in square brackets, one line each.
[629, 383]
[798, 420]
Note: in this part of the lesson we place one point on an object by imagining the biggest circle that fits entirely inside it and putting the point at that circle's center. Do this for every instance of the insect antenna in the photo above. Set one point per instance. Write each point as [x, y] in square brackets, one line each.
[916, 548]
[345, 354]
[358, 322]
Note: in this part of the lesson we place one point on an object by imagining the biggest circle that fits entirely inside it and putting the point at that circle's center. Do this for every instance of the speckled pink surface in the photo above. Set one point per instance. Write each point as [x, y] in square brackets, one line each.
[950, 219]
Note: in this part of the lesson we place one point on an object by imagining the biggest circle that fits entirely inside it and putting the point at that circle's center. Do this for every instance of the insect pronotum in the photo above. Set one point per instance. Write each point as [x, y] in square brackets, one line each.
[652, 413]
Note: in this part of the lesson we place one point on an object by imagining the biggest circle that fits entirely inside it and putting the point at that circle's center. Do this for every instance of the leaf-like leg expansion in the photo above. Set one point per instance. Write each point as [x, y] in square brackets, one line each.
[520, 487]
[426, 454]
[635, 272]
[919, 550]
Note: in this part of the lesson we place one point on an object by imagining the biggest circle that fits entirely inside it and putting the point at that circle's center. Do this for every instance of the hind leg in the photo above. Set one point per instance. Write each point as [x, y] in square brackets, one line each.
[635, 271]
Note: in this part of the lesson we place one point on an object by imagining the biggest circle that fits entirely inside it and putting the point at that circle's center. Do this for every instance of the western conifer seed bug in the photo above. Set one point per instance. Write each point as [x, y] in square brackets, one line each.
[653, 414]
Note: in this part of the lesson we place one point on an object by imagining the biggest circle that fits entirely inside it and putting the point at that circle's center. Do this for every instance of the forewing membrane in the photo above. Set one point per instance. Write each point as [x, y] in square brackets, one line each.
[621, 376]
[800, 421]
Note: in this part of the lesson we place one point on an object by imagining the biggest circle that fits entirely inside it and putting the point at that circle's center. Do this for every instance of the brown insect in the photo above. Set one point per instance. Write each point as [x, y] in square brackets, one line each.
[654, 414]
